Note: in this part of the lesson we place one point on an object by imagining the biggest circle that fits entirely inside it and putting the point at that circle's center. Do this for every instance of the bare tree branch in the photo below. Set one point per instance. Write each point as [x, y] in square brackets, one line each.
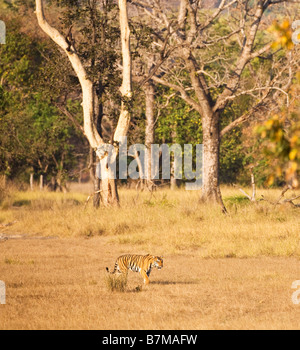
[182, 92]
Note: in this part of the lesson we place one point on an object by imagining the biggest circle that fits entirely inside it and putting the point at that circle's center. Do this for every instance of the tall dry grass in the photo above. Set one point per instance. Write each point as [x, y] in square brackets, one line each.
[164, 222]
[63, 284]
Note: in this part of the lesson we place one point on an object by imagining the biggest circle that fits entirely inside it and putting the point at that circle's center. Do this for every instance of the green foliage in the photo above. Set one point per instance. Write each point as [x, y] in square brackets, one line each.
[96, 33]
[37, 81]
[231, 157]
[34, 136]
[177, 122]
[281, 137]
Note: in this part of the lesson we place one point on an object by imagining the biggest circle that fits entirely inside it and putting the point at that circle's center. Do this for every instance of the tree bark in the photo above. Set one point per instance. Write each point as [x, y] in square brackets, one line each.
[150, 129]
[126, 88]
[190, 34]
[109, 192]
[97, 196]
[41, 182]
[211, 150]
[173, 180]
[211, 136]
[88, 97]
[90, 102]
[31, 181]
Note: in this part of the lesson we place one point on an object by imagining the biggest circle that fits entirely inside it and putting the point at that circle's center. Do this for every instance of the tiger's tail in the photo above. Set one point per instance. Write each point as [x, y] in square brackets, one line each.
[115, 269]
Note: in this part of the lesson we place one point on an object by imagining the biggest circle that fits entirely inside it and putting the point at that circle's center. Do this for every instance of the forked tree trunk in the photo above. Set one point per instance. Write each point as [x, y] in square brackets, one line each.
[109, 192]
[211, 136]
[89, 98]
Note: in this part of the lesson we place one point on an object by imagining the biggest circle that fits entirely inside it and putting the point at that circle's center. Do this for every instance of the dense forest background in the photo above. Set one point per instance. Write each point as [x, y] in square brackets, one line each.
[40, 96]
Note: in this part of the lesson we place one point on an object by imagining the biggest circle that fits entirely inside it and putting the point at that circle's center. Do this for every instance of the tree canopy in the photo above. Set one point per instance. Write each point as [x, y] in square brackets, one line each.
[41, 122]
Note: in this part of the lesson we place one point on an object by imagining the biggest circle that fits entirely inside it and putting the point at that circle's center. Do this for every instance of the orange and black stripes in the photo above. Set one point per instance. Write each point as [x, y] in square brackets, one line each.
[137, 263]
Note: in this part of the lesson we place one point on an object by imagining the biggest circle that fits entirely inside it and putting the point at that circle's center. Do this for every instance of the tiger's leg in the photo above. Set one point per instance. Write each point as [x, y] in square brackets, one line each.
[145, 276]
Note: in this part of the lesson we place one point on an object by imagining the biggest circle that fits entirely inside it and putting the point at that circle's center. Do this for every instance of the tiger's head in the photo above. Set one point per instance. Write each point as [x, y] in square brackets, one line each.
[158, 262]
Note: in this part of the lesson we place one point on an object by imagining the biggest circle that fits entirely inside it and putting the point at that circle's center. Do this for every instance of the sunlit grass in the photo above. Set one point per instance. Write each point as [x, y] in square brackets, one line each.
[116, 283]
[164, 221]
[63, 284]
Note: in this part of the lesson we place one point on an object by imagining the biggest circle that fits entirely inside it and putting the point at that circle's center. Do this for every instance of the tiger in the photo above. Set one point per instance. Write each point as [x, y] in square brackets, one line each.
[137, 263]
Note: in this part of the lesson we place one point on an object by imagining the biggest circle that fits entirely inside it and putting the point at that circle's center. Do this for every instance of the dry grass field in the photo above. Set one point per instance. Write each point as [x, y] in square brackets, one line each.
[220, 272]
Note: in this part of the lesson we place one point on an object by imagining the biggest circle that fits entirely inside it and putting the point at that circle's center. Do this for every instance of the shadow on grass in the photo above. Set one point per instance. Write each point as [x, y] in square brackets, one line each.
[141, 288]
[173, 282]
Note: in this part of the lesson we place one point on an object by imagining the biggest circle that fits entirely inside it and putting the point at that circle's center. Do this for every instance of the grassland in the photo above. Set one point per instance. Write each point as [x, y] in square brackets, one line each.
[165, 222]
[221, 271]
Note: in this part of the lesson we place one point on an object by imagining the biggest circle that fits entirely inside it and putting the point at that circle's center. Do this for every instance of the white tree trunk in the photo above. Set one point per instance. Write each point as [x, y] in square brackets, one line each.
[41, 182]
[150, 129]
[31, 181]
[89, 98]
[109, 191]
[125, 89]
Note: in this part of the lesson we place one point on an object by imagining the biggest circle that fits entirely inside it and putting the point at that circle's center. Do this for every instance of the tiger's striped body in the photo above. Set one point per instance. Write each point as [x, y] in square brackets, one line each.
[137, 263]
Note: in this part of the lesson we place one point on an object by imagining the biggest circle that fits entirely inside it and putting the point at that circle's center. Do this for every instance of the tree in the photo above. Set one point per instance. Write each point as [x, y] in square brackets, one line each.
[149, 90]
[281, 140]
[207, 57]
[90, 100]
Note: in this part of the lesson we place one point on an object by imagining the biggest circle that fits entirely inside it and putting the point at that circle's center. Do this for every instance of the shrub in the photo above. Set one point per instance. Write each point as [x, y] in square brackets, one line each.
[116, 283]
